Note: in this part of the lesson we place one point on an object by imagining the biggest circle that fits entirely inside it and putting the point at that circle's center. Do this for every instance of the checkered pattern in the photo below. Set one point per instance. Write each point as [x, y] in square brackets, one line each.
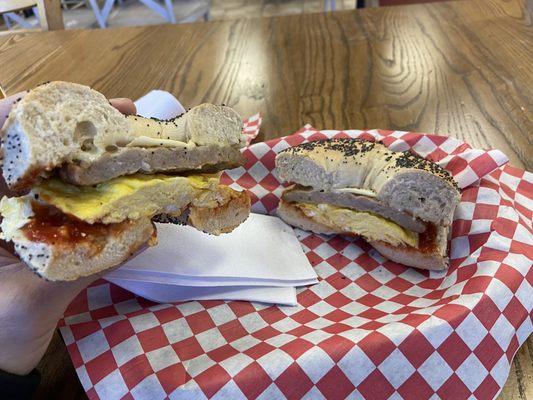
[370, 329]
[251, 127]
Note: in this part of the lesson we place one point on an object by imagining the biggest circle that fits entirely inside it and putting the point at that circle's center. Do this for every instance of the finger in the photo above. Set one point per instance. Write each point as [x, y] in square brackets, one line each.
[125, 106]
[7, 256]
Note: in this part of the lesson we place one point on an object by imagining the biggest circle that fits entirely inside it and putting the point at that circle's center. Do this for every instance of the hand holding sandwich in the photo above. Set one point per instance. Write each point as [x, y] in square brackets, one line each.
[30, 306]
[84, 180]
[89, 181]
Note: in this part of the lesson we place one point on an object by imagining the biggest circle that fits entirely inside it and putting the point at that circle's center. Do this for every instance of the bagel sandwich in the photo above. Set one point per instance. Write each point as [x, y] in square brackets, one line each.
[402, 204]
[90, 181]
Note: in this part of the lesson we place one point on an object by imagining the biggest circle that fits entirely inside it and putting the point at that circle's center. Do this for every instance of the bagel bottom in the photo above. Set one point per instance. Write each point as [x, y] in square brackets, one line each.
[432, 257]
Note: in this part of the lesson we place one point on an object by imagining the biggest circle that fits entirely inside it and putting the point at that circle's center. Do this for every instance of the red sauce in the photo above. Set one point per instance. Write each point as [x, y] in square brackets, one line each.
[23, 184]
[427, 239]
[50, 224]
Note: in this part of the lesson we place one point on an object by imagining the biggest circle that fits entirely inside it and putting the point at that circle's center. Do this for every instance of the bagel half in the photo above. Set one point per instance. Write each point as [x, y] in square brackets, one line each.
[66, 258]
[92, 180]
[63, 232]
[399, 180]
[400, 203]
[93, 142]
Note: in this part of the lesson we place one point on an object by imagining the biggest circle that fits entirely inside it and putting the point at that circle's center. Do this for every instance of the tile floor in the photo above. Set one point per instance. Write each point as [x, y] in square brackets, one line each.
[133, 12]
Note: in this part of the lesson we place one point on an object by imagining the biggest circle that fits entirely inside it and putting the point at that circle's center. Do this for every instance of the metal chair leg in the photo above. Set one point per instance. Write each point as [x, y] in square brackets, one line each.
[14, 17]
[207, 15]
[7, 21]
[332, 5]
[103, 14]
[170, 11]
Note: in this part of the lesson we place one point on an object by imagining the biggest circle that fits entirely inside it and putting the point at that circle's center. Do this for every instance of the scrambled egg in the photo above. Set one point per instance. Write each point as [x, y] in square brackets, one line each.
[370, 226]
[129, 197]
[16, 212]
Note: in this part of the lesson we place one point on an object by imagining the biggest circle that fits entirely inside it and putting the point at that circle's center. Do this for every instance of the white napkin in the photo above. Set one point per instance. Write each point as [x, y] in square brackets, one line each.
[263, 251]
[261, 260]
[164, 293]
[159, 104]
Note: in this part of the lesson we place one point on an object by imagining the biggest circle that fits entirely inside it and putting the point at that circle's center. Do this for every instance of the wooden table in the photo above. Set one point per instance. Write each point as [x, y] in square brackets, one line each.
[460, 68]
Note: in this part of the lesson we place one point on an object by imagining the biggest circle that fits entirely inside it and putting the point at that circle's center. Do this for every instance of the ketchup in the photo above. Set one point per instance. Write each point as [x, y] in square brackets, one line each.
[50, 224]
[427, 239]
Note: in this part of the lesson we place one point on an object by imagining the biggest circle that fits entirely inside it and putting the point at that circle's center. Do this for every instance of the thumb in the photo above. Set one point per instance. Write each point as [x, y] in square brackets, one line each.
[124, 105]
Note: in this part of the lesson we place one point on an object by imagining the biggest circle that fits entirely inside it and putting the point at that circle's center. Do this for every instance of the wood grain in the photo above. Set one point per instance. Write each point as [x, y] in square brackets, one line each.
[519, 385]
[58, 376]
[461, 68]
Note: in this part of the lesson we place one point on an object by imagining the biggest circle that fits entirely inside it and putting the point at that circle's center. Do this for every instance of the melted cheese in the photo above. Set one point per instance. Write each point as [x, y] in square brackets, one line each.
[129, 197]
[145, 141]
[146, 132]
[359, 191]
[206, 124]
[370, 226]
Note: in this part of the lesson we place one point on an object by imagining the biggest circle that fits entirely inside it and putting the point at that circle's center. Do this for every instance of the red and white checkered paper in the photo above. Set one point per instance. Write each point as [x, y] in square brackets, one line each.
[370, 329]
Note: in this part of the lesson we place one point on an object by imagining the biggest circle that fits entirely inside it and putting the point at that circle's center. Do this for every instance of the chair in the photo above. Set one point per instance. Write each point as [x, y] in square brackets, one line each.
[48, 12]
[330, 4]
[102, 14]
[161, 7]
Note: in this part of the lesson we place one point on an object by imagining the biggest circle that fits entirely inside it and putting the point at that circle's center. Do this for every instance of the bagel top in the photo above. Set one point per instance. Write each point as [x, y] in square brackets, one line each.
[400, 180]
[62, 123]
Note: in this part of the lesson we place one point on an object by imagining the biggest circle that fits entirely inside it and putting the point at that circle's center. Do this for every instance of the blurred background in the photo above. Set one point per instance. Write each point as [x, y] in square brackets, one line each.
[23, 14]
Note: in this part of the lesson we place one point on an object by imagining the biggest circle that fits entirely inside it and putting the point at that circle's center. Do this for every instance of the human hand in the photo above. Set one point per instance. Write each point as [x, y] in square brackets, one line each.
[30, 306]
